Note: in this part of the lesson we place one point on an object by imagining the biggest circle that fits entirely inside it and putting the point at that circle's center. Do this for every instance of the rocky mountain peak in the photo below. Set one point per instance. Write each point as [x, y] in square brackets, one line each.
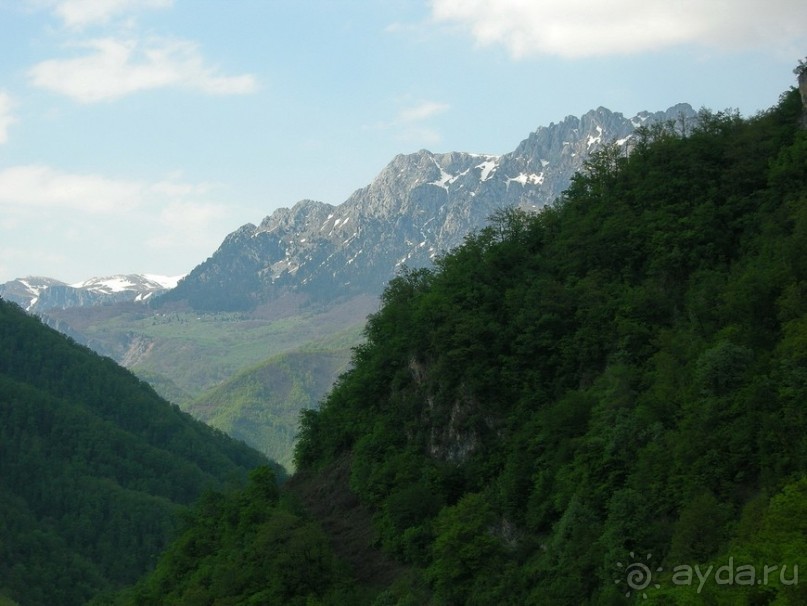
[299, 217]
[420, 205]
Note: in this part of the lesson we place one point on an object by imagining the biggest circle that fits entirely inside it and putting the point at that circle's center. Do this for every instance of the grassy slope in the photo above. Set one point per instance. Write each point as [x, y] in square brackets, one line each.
[246, 374]
[261, 405]
[184, 353]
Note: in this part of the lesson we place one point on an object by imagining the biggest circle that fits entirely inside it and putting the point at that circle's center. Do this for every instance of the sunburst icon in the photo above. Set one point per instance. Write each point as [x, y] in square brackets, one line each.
[637, 576]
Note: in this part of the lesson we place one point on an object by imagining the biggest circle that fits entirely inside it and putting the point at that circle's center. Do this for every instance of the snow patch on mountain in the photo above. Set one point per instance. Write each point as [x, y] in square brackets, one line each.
[592, 139]
[165, 281]
[487, 167]
[524, 179]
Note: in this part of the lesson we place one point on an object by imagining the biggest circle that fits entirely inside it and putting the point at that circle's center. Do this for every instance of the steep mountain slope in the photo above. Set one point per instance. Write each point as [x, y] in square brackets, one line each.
[419, 206]
[610, 388]
[186, 352]
[24, 291]
[94, 467]
[251, 546]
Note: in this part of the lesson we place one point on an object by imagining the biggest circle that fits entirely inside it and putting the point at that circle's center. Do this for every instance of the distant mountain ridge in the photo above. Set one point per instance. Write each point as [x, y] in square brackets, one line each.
[419, 206]
[37, 294]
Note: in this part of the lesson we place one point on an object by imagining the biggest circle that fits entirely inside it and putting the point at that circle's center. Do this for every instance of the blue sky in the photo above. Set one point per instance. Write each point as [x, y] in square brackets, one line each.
[136, 134]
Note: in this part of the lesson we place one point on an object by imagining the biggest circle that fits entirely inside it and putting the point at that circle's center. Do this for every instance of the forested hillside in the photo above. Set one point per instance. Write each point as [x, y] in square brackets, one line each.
[624, 372]
[94, 467]
[614, 385]
[246, 547]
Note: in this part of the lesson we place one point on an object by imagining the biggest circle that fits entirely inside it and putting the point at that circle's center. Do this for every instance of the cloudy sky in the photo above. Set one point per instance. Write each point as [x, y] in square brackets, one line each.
[136, 134]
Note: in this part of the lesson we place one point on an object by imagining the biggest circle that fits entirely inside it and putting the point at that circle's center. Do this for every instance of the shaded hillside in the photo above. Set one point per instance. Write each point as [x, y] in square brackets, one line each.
[327, 498]
[246, 547]
[262, 405]
[618, 380]
[94, 467]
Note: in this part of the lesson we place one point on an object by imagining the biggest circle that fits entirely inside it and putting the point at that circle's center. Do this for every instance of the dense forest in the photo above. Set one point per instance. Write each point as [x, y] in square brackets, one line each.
[248, 546]
[95, 468]
[624, 372]
[599, 404]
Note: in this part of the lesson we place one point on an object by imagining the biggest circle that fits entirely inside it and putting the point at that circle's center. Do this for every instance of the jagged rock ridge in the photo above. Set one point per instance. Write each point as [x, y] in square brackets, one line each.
[420, 205]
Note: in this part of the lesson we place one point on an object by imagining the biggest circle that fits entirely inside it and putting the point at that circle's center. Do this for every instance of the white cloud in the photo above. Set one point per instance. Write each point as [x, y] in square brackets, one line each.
[411, 122]
[41, 189]
[81, 13]
[99, 224]
[115, 68]
[6, 119]
[421, 111]
[182, 223]
[36, 187]
[420, 136]
[587, 28]
[176, 189]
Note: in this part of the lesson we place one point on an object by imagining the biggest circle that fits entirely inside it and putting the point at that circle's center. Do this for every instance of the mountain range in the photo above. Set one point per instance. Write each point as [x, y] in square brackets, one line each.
[38, 294]
[574, 406]
[420, 206]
